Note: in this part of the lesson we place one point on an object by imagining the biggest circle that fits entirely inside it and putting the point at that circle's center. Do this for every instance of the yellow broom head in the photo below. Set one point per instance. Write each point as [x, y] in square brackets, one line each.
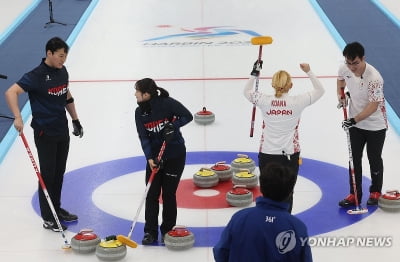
[261, 40]
[66, 246]
[127, 241]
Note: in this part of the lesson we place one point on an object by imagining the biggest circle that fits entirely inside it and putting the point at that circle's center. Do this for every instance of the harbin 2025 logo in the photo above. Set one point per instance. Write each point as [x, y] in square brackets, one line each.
[173, 36]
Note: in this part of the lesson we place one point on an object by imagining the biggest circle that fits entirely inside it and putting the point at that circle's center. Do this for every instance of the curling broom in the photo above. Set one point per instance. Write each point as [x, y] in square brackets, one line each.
[358, 209]
[66, 244]
[127, 239]
[260, 41]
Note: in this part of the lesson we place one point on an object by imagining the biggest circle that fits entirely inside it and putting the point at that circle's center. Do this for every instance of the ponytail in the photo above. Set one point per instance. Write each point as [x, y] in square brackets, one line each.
[162, 92]
[147, 85]
[281, 82]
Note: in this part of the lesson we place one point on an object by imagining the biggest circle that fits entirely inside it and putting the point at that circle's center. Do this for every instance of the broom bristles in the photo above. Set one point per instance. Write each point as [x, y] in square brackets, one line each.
[127, 241]
[261, 40]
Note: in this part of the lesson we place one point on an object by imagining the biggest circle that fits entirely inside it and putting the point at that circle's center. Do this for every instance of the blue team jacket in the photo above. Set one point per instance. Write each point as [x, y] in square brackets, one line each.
[149, 125]
[264, 233]
[47, 89]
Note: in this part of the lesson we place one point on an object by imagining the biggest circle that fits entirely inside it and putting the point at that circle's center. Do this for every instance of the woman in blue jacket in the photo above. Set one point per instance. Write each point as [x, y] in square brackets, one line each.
[158, 118]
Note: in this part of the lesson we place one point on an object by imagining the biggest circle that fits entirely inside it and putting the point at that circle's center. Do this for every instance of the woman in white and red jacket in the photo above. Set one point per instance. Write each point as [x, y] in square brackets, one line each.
[281, 114]
[158, 118]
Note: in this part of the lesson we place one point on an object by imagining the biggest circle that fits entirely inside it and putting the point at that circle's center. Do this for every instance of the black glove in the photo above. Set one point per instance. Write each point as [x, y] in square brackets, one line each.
[346, 124]
[159, 164]
[78, 130]
[168, 132]
[256, 68]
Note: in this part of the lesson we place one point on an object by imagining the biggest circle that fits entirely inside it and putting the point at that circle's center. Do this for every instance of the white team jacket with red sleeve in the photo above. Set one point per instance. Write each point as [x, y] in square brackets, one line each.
[281, 116]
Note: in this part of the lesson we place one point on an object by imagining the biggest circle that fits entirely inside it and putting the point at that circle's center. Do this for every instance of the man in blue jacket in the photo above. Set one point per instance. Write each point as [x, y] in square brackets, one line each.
[47, 86]
[266, 232]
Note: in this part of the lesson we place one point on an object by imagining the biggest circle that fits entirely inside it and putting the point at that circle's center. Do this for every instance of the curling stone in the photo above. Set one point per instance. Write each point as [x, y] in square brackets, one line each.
[246, 178]
[85, 241]
[239, 196]
[179, 238]
[390, 201]
[204, 117]
[205, 178]
[243, 162]
[110, 249]
[223, 171]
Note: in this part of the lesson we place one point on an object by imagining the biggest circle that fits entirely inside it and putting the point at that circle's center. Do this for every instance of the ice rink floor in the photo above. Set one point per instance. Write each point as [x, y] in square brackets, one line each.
[121, 43]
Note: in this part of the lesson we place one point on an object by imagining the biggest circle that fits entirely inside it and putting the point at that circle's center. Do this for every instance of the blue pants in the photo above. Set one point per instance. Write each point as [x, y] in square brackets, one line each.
[165, 183]
[374, 141]
[53, 153]
[291, 161]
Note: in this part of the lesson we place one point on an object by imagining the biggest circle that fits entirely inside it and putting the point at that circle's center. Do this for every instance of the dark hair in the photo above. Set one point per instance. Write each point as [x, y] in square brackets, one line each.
[147, 85]
[353, 50]
[276, 181]
[55, 44]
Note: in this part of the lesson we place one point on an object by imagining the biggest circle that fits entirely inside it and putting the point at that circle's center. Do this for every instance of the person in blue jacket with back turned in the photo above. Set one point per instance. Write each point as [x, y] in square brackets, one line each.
[266, 232]
[158, 118]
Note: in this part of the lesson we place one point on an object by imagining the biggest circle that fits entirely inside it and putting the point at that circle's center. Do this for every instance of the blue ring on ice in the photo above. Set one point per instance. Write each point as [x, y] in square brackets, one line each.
[79, 185]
